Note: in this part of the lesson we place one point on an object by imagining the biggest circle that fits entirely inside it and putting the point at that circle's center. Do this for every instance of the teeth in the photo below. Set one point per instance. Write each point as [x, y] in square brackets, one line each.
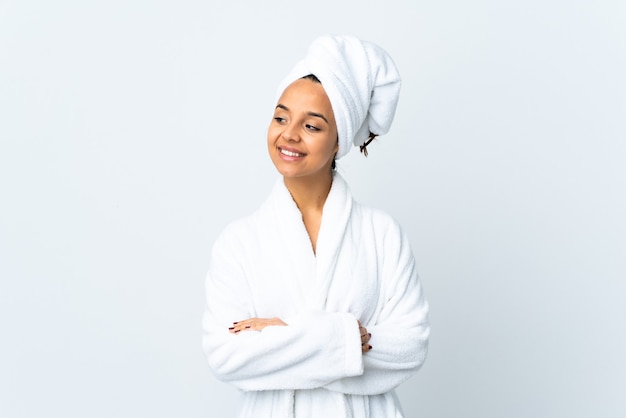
[290, 154]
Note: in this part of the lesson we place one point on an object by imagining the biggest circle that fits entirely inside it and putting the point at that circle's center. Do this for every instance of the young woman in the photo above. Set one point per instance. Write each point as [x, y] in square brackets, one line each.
[314, 306]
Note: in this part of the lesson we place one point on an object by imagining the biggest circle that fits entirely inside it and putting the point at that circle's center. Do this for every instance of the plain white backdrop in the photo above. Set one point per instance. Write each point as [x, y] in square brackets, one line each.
[131, 132]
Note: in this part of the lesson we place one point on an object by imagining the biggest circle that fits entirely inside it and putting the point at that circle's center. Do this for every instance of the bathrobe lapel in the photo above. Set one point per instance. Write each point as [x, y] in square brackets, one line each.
[310, 275]
[296, 260]
[330, 239]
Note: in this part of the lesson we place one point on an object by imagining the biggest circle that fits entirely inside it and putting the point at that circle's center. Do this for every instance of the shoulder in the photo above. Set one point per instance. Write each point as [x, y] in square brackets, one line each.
[386, 234]
[238, 231]
[241, 229]
[381, 221]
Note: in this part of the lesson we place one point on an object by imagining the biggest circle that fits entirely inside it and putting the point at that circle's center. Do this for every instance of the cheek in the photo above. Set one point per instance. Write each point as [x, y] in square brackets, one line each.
[335, 142]
[335, 137]
[271, 135]
[333, 149]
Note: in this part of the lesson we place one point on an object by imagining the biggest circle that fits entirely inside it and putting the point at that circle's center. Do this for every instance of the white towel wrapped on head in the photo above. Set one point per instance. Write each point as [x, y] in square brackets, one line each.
[361, 81]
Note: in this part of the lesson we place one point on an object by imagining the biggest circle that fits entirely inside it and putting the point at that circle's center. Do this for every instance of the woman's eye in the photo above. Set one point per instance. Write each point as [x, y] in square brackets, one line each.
[279, 119]
[312, 128]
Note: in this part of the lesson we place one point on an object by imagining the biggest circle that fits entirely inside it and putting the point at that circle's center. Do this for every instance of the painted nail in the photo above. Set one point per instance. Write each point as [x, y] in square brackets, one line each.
[371, 347]
[237, 330]
[247, 326]
[369, 334]
[231, 328]
[235, 323]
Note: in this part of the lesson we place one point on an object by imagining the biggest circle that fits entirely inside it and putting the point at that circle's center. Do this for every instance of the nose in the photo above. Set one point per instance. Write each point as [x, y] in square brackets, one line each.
[290, 133]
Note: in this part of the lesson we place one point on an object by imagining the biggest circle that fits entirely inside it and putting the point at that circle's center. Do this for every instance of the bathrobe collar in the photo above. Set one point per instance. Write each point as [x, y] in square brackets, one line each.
[295, 240]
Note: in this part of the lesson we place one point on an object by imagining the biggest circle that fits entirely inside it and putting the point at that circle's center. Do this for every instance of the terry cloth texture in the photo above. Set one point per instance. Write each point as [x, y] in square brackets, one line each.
[361, 81]
[264, 266]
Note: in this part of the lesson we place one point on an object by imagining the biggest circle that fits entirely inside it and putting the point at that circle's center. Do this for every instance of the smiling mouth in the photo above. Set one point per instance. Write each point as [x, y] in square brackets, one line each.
[290, 153]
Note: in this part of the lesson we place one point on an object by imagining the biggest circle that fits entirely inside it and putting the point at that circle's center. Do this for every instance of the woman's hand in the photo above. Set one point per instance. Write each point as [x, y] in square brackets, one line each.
[365, 339]
[255, 324]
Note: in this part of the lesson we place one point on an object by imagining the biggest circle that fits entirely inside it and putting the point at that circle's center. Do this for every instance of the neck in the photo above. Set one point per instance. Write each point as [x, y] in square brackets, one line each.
[309, 193]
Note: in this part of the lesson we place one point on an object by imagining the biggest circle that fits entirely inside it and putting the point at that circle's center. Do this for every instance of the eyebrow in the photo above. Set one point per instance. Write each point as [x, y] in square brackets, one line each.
[314, 114]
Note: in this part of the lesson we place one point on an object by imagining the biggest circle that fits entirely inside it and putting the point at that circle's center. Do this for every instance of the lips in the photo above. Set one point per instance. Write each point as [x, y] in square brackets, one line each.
[290, 152]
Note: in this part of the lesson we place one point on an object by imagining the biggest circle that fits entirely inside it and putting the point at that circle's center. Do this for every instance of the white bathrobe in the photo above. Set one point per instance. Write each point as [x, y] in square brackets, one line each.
[264, 266]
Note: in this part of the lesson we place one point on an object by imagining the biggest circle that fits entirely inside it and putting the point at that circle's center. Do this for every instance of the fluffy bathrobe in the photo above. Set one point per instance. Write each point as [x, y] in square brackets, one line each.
[264, 266]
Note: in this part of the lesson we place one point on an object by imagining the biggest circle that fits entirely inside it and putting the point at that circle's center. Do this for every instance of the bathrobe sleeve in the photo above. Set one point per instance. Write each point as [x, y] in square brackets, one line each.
[400, 332]
[316, 348]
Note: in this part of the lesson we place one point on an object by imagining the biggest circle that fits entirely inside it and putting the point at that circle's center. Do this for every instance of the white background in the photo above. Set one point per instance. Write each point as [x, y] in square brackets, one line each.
[131, 132]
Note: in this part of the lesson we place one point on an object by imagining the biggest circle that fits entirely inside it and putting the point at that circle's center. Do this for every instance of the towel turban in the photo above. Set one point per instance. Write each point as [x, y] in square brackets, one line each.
[361, 81]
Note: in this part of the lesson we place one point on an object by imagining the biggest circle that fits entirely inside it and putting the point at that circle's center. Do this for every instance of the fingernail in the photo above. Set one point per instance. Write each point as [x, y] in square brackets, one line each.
[237, 330]
[247, 326]
[231, 328]
[369, 334]
[371, 347]
[235, 323]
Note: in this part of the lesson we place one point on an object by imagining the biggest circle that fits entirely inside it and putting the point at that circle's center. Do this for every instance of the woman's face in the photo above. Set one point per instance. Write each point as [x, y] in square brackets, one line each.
[302, 137]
